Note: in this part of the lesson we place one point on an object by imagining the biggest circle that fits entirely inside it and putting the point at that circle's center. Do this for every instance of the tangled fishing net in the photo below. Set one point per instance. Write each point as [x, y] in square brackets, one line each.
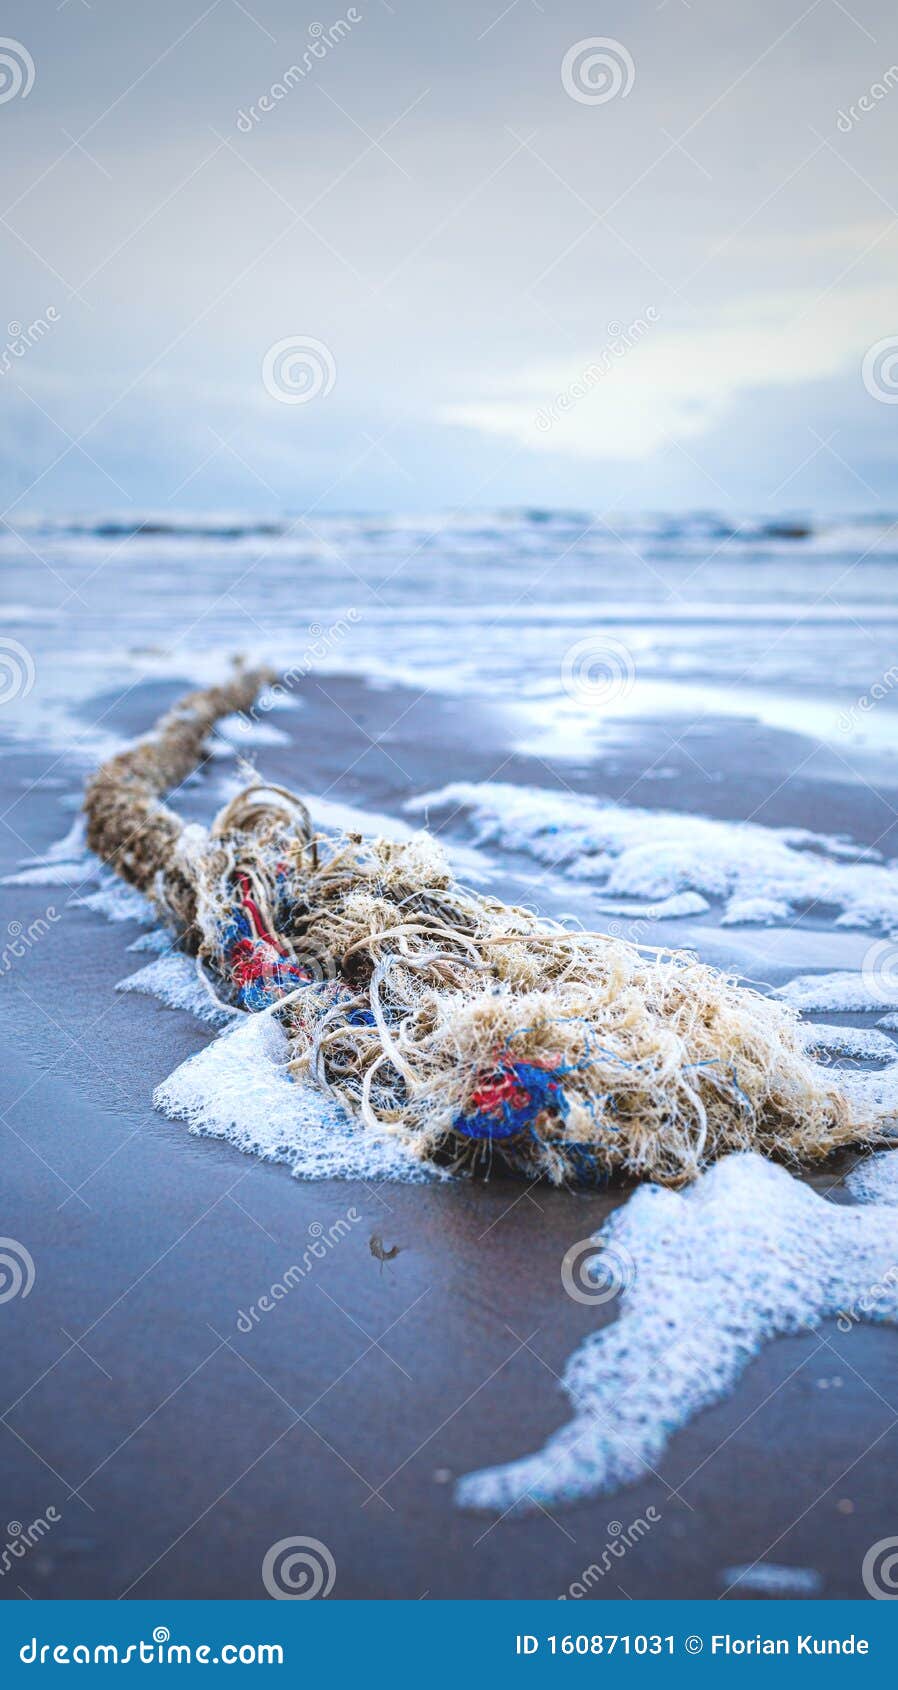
[476, 1031]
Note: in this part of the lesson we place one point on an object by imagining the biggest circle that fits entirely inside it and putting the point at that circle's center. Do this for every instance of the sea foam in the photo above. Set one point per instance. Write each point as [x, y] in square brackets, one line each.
[239, 1089]
[759, 874]
[173, 979]
[843, 992]
[117, 901]
[712, 1274]
[768, 1578]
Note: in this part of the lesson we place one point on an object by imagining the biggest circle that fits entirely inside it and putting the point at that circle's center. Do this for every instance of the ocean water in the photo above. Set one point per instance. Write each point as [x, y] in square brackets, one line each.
[575, 619]
[581, 630]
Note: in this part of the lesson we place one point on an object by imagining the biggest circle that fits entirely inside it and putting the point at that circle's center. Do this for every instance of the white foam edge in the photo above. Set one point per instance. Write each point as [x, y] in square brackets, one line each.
[677, 905]
[67, 862]
[762, 876]
[49, 874]
[865, 1044]
[232, 733]
[118, 901]
[845, 991]
[154, 939]
[768, 1578]
[707, 1276]
[173, 979]
[238, 1089]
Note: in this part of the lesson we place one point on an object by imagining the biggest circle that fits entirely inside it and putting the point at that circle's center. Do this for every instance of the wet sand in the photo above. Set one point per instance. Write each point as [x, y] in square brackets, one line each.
[177, 1447]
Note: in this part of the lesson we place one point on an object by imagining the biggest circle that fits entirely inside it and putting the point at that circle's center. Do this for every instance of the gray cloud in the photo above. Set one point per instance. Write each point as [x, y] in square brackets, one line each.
[423, 196]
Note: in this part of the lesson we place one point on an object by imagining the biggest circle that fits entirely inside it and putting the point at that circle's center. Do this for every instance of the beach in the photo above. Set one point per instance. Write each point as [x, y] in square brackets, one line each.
[448, 828]
[178, 1415]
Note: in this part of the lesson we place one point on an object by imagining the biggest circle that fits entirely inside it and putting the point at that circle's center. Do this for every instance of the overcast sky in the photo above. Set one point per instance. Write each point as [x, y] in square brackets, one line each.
[642, 274]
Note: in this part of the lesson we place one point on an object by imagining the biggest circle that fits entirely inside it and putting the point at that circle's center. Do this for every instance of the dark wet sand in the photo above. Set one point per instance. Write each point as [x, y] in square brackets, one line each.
[177, 1448]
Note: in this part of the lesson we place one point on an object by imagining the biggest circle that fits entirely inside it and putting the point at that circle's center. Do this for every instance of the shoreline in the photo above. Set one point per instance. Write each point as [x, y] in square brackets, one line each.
[346, 1412]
